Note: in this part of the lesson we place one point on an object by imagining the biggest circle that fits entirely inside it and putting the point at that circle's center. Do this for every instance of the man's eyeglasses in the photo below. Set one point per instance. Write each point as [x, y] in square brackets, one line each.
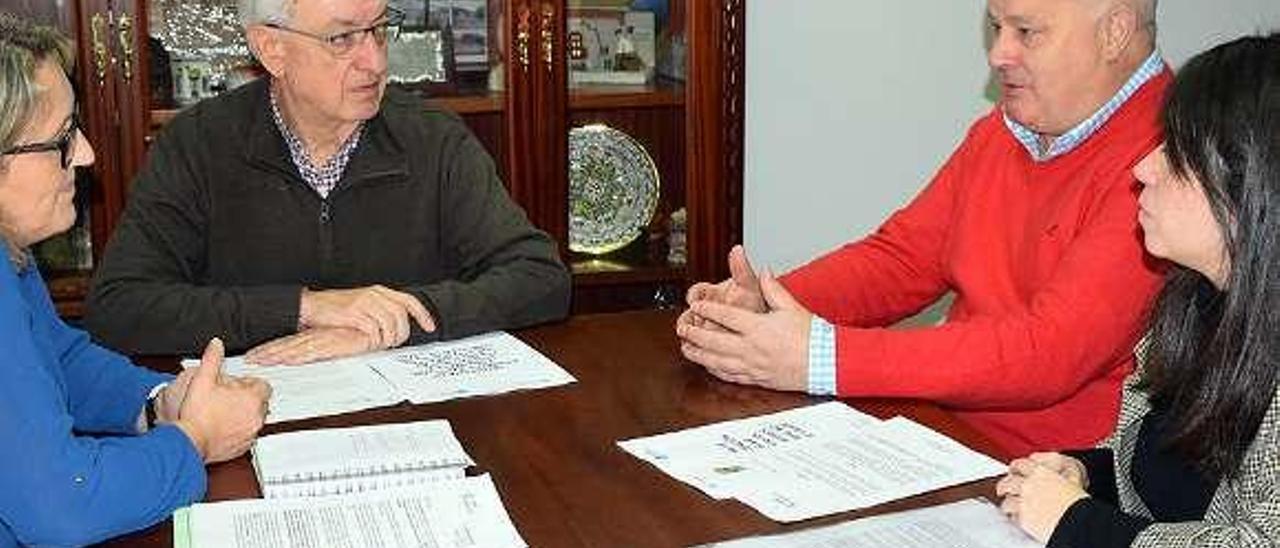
[343, 43]
[64, 143]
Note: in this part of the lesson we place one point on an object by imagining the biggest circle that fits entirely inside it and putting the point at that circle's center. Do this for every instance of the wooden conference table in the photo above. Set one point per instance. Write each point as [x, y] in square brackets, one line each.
[553, 456]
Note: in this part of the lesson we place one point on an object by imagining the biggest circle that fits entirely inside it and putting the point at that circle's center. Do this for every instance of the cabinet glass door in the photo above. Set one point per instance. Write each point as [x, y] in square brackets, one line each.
[447, 51]
[626, 167]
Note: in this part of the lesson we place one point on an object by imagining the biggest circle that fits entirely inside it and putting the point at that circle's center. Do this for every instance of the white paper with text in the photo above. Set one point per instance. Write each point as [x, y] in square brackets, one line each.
[704, 456]
[315, 390]
[488, 364]
[466, 513]
[973, 523]
[493, 363]
[814, 461]
[895, 459]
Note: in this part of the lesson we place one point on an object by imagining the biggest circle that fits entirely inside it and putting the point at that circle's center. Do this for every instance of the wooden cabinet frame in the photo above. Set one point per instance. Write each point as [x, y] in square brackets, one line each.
[526, 128]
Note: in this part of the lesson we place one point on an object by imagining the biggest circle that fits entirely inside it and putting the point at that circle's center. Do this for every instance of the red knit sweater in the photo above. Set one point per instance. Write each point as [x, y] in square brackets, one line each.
[1051, 281]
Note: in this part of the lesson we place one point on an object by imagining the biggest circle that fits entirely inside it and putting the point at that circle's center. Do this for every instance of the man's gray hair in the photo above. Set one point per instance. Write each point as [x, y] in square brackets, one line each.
[261, 12]
[1146, 14]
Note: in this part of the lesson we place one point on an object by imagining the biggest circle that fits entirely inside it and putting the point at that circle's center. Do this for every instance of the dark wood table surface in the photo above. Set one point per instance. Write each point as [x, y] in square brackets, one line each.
[553, 456]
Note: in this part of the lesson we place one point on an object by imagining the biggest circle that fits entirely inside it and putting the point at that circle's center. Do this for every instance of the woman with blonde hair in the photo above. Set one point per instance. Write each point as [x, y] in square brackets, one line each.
[91, 446]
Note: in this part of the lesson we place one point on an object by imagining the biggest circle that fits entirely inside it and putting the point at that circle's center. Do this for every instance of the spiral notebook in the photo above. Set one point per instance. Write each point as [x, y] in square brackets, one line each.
[357, 459]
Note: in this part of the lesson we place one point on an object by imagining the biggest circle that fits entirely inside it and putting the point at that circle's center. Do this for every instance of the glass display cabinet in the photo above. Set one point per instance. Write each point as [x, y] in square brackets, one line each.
[616, 124]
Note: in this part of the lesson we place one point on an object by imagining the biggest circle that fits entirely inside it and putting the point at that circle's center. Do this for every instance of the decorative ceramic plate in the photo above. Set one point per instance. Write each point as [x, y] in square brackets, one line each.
[613, 189]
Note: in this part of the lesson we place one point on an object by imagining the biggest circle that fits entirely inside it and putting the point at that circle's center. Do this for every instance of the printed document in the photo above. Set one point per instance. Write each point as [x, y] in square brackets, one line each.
[465, 513]
[806, 463]
[973, 523]
[477, 366]
[488, 364]
[705, 455]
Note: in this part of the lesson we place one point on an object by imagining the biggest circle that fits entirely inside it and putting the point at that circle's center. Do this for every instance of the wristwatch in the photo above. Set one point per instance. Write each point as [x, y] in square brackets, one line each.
[153, 400]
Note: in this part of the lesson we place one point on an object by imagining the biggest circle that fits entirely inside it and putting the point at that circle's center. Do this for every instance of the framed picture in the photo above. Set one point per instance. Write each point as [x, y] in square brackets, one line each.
[611, 46]
[468, 20]
[421, 58]
[415, 12]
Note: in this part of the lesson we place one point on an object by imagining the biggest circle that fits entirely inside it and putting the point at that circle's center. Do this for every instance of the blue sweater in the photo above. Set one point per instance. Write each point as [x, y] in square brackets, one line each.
[72, 468]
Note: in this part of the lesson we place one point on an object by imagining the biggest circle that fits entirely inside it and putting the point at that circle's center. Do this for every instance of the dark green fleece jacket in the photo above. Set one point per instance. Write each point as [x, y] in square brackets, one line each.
[220, 233]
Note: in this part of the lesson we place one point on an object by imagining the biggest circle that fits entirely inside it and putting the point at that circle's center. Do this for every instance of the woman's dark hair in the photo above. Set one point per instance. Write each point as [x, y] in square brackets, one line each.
[1214, 356]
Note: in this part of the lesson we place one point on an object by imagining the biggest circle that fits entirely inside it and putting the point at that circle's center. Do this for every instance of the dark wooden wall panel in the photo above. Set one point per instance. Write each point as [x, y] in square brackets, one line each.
[490, 128]
[717, 49]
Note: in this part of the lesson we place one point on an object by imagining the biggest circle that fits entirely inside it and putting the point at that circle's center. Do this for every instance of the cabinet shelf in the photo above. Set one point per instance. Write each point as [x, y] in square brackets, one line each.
[581, 98]
[459, 104]
[598, 97]
[487, 103]
[659, 94]
[629, 279]
[643, 261]
[590, 272]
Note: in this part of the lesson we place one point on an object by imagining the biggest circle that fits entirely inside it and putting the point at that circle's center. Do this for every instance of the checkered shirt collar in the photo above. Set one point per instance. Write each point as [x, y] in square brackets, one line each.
[323, 178]
[1072, 139]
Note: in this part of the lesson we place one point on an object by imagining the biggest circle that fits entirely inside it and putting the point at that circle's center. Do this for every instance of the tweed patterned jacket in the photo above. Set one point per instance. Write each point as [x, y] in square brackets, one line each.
[1244, 512]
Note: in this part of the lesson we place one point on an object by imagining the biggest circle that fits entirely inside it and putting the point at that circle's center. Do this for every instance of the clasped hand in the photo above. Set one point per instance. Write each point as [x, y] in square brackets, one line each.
[747, 329]
[1039, 489]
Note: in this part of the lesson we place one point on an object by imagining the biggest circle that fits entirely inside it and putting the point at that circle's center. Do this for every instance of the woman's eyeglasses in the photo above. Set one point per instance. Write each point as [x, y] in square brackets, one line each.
[64, 143]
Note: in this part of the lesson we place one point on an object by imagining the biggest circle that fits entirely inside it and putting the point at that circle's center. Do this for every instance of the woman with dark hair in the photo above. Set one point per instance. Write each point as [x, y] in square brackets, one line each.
[1195, 457]
[90, 446]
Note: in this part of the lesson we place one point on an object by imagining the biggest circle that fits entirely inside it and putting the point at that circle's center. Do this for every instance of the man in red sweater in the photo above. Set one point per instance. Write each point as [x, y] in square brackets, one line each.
[1032, 224]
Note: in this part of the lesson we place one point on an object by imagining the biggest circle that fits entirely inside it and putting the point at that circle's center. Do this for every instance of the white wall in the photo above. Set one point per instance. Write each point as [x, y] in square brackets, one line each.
[853, 104]
[1188, 27]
